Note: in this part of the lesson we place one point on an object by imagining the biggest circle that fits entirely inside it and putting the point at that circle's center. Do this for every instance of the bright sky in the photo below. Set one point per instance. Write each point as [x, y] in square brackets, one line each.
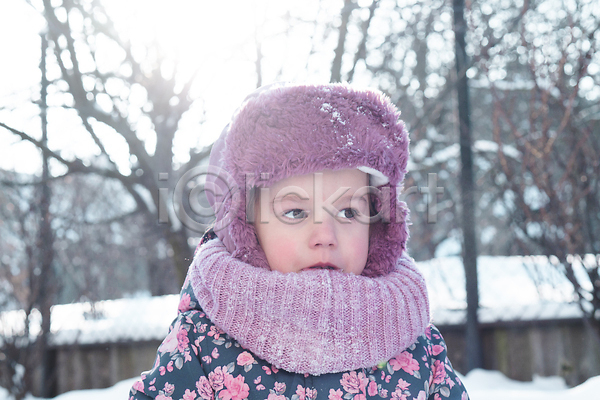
[217, 37]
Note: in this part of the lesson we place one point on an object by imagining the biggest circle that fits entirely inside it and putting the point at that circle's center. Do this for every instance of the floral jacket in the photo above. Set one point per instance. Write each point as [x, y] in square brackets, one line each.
[197, 360]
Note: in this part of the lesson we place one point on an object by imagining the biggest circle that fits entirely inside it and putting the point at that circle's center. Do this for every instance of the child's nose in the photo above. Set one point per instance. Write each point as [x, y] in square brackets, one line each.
[323, 234]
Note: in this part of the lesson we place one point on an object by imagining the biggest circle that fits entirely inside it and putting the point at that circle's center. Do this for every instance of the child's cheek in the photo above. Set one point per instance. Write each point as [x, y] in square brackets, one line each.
[283, 254]
[359, 247]
[284, 248]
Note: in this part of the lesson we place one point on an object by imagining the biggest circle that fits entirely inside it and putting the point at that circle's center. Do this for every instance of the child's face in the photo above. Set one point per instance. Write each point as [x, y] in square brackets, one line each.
[298, 234]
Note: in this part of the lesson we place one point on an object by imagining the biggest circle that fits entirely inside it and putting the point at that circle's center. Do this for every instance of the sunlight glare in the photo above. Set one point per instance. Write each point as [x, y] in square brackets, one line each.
[214, 41]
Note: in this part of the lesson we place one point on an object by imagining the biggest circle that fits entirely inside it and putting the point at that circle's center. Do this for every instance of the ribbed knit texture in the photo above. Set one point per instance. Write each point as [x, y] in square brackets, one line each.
[312, 322]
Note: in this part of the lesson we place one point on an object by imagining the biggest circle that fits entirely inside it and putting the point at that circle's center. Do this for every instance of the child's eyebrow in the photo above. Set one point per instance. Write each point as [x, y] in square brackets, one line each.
[290, 197]
[348, 197]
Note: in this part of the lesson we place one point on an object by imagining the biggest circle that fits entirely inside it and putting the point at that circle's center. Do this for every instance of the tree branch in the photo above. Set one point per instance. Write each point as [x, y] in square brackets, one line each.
[78, 166]
[361, 53]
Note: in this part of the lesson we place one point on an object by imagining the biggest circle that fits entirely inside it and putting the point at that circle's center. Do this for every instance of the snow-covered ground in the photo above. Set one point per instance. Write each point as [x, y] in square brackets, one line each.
[482, 385]
[492, 385]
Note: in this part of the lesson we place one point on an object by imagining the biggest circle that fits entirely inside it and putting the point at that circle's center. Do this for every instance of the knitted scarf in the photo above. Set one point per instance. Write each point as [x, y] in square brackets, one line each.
[311, 322]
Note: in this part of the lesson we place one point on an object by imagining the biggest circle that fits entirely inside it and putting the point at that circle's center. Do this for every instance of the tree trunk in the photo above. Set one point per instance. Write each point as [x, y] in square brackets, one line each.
[336, 68]
[474, 357]
[46, 288]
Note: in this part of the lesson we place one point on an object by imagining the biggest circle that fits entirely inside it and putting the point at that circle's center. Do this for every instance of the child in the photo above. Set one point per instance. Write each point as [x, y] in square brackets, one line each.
[303, 290]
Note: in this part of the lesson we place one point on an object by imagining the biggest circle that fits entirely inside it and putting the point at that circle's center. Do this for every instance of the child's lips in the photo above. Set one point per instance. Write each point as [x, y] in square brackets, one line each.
[317, 266]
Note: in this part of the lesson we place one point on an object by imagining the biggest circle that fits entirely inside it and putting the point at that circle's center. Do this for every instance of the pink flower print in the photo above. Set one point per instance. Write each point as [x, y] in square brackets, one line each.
[152, 388]
[170, 343]
[402, 384]
[279, 387]
[372, 388]
[353, 382]
[215, 353]
[261, 387]
[236, 388]
[439, 372]
[383, 393]
[273, 396]
[422, 395]
[428, 332]
[182, 340]
[360, 396]
[257, 380]
[217, 378]
[437, 349]
[464, 396]
[214, 331]
[267, 370]
[207, 359]
[245, 358]
[450, 382]
[275, 370]
[398, 395]
[189, 395]
[406, 362]
[204, 389]
[184, 303]
[301, 392]
[335, 394]
[139, 386]
[169, 389]
[197, 348]
[311, 393]
[162, 396]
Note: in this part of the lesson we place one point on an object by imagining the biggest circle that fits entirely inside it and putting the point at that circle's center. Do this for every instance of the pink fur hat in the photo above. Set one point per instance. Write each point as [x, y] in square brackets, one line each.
[283, 130]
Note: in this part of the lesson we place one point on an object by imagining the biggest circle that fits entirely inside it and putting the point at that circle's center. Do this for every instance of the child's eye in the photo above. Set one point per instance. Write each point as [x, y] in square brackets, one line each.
[348, 213]
[296, 213]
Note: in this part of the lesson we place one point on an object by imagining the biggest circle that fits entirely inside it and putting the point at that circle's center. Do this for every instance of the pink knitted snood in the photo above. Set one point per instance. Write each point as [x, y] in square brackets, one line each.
[312, 322]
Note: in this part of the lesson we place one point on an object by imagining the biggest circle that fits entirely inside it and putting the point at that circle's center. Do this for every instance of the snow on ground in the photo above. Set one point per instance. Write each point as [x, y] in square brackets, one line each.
[481, 385]
[119, 391]
[492, 385]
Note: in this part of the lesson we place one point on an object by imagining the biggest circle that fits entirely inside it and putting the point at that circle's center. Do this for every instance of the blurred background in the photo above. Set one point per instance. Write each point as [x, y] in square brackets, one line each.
[106, 104]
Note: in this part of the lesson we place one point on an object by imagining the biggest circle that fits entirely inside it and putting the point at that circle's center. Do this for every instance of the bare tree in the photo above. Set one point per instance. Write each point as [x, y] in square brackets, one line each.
[552, 192]
[167, 99]
[469, 253]
[45, 281]
[22, 341]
